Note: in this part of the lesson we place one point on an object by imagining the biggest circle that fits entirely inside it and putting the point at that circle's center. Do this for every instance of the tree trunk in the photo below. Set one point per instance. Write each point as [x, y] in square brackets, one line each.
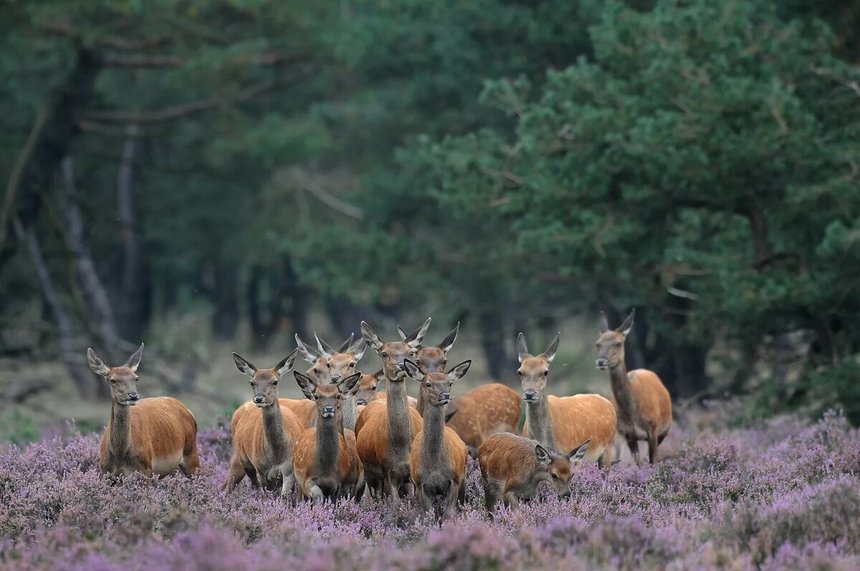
[262, 327]
[346, 316]
[98, 308]
[225, 297]
[131, 305]
[299, 300]
[71, 357]
[493, 336]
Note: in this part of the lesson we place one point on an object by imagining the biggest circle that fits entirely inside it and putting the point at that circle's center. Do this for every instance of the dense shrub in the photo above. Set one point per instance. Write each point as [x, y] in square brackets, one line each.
[782, 495]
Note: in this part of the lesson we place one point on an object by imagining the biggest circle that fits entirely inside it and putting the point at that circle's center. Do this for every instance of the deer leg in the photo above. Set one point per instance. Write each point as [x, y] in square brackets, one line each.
[511, 500]
[190, 463]
[661, 438]
[605, 459]
[461, 495]
[633, 445]
[652, 446]
[237, 472]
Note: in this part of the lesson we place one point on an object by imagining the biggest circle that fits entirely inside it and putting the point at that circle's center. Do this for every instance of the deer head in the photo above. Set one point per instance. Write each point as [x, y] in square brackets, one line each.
[560, 466]
[394, 353]
[264, 382]
[122, 379]
[534, 369]
[435, 357]
[367, 387]
[610, 343]
[328, 396]
[437, 385]
[328, 365]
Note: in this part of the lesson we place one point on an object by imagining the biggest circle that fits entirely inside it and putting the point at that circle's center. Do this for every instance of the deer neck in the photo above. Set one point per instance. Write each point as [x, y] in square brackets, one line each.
[627, 410]
[399, 424]
[432, 450]
[328, 444]
[421, 405]
[539, 422]
[273, 430]
[349, 414]
[120, 428]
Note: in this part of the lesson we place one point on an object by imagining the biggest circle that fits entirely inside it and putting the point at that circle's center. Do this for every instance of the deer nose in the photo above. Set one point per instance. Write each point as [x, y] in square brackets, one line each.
[259, 399]
[601, 363]
[328, 410]
[529, 394]
[445, 397]
[360, 401]
[133, 397]
[565, 494]
[335, 379]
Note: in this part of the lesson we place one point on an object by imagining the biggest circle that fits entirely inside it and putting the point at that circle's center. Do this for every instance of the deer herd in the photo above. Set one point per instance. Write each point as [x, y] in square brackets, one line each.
[345, 437]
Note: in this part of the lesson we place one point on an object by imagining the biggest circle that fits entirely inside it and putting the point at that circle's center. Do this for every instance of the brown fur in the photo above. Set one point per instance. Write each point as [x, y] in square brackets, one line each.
[306, 457]
[153, 436]
[372, 436]
[483, 411]
[249, 447]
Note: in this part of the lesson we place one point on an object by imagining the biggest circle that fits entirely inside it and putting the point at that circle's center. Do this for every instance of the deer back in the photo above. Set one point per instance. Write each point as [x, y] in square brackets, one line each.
[484, 410]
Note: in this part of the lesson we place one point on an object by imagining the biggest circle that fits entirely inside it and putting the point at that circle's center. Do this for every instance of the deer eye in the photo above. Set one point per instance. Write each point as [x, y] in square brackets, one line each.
[545, 373]
[316, 396]
[328, 365]
[555, 476]
[384, 354]
[352, 365]
[427, 385]
[520, 373]
[619, 344]
[373, 388]
[275, 384]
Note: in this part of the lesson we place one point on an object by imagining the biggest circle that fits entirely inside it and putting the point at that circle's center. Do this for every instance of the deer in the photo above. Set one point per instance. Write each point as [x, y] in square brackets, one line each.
[325, 466]
[563, 423]
[328, 365]
[642, 402]
[386, 427]
[437, 461]
[152, 435]
[513, 469]
[477, 413]
[263, 443]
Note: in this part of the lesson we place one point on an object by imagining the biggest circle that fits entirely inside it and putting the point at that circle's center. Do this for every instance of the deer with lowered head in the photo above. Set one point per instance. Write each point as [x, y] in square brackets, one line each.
[513, 468]
[263, 443]
[152, 435]
[325, 467]
[386, 427]
[563, 423]
[642, 402]
[437, 460]
[477, 413]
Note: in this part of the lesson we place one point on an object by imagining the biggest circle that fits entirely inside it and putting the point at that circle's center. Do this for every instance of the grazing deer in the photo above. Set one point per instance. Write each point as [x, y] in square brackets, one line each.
[513, 468]
[263, 443]
[152, 435]
[325, 467]
[563, 423]
[437, 460]
[643, 404]
[386, 428]
[328, 366]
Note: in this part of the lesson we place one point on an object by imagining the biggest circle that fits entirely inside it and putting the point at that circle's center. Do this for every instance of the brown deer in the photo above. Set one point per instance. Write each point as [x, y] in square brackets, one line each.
[263, 443]
[477, 413]
[563, 423]
[643, 404]
[325, 467]
[327, 366]
[513, 468]
[153, 435]
[386, 428]
[437, 460]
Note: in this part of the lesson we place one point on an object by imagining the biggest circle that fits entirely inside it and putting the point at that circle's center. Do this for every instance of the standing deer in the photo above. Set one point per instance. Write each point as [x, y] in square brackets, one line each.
[477, 413]
[513, 468]
[263, 443]
[437, 460]
[563, 423]
[386, 427]
[643, 403]
[325, 467]
[152, 435]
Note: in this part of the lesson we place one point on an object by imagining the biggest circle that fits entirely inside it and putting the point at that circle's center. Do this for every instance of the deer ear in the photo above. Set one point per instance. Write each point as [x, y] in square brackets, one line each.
[553, 348]
[449, 339]
[543, 456]
[370, 337]
[350, 385]
[604, 323]
[287, 363]
[307, 385]
[96, 364]
[416, 337]
[457, 372]
[245, 367]
[578, 454]
[403, 334]
[324, 348]
[628, 323]
[134, 361]
[413, 371]
[358, 348]
[522, 348]
[309, 354]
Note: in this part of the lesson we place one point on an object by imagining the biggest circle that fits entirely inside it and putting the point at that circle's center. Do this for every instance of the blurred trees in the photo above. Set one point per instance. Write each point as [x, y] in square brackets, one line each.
[501, 162]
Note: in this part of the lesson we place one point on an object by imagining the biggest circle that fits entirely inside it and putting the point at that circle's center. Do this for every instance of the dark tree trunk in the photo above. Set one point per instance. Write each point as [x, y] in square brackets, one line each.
[299, 300]
[132, 303]
[98, 308]
[263, 327]
[346, 317]
[225, 297]
[493, 341]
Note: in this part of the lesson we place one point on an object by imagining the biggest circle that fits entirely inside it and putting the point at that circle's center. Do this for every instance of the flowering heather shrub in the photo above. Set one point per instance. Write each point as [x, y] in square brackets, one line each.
[783, 495]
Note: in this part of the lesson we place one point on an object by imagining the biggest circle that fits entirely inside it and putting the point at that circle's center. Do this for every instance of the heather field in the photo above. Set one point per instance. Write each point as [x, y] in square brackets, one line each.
[785, 494]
